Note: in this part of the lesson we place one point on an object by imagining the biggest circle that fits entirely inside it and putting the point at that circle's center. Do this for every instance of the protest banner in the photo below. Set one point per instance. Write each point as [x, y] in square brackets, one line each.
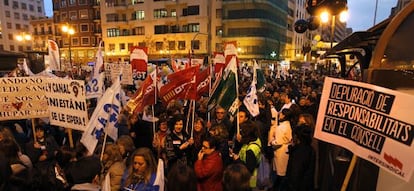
[121, 68]
[67, 103]
[373, 122]
[22, 98]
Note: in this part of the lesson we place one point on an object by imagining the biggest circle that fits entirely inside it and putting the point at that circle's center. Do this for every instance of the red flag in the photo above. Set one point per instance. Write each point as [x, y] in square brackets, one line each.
[144, 96]
[174, 65]
[182, 84]
[202, 82]
[219, 63]
[139, 59]
[230, 50]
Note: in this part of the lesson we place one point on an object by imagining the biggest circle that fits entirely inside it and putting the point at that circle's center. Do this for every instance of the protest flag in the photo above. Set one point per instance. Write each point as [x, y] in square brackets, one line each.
[251, 101]
[203, 82]
[258, 77]
[145, 95]
[54, 59]
[139, 60]
[225, 94]
[181, 84]
[104, 118]
[159, 178]
[96, 86]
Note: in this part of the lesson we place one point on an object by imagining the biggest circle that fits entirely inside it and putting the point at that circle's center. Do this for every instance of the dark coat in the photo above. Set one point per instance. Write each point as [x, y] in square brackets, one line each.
[301, 168]
[209, 172]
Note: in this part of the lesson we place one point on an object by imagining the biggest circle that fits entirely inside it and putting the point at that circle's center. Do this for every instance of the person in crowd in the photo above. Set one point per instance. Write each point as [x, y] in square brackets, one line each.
[181, 177]
[178, 143]
[141, 131]
[236, 177]
[113, 165]
[158, 143]
[199, 134]
[122, 123]
[286, 98]
[141, 173]
[5, 172]
[209, 167]
[280, 140]
[277, 101]
[126, 147]
[21, 173]
[43, 148]
[84, 169]
[222, 118]
[219, 132]
[249, 153]
[301, 166]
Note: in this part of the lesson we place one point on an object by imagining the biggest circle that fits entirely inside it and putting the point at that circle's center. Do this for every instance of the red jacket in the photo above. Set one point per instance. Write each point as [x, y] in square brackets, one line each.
[209, 172]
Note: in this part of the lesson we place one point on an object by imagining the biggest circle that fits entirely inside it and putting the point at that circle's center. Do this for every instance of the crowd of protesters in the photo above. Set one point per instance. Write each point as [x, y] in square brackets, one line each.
[215, 151]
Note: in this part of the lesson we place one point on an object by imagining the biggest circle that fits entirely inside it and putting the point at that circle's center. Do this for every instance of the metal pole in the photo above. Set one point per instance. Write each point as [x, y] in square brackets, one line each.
[375, 12]
[332, 39]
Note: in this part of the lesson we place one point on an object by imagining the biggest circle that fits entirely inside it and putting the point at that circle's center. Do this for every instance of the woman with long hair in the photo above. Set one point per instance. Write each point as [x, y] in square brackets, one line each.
[141, 173]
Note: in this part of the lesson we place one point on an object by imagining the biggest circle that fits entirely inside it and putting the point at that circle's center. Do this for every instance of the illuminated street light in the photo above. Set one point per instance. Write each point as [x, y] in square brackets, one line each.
[24, 37]
[70, 31]
[343, 16]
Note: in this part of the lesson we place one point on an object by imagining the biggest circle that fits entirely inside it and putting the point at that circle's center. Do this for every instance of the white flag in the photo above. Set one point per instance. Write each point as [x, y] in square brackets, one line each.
[159, 179]
[106, 184]
[104, 118]
[54, 59]
[27, 69]
[250, 101]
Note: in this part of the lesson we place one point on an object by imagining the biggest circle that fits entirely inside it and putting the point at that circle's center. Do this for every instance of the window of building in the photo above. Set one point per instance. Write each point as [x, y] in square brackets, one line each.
[137, 1]
[113, 32]
[130, 45]
[75, 41]
[111, 47]
[6, 2]
[122, 47]
[31, 7]
[219, 47]
[171, 45]
[193, 27]
[195, 44]
[173, 13]
[18, 26]
[64, 16]
[1, 47]
[82, 2]
[219, 13]
[219, 31]
[11, 47]
[7, 14]
[16, 15]
[181, 45]
[175, 29]
[39, 9]
[20, 48]
[63, 3]
[9, 25]
[138, 31]
[84, 27]
[160, 13]
[73, 15]
[10, 36]
[160, 29]
[25, 17]
[24, 6]
[15, 4]
[138, 15]
[83, 14]
[158, 46]
[72, 2]
[85, 40]
[193, 10]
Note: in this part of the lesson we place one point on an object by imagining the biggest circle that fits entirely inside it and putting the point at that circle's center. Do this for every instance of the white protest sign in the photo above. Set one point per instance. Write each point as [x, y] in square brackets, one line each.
[124, 68]
[373, 122]
[67, 103]
[22, 98]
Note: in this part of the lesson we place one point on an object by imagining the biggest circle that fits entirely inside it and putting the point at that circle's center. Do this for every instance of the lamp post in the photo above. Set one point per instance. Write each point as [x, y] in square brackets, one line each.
[325, 15]
[23, 37]
[70, 31]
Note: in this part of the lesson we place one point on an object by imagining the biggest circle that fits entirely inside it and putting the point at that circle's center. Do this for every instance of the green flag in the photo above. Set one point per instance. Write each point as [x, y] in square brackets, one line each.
[225, 95]
[258, 77]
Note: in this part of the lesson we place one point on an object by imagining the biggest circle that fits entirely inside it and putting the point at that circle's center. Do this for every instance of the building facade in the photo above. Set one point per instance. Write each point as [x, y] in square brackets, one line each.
[83, 16]
[15, 16]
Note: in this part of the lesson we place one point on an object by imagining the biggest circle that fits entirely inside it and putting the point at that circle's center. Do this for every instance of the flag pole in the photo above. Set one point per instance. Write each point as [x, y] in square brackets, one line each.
[192, 124]
[154, 81]
[349, 172]
[209, 92]
[153, 120]
[237, 95]
[103, 145]
[188, 116]
[34, 130]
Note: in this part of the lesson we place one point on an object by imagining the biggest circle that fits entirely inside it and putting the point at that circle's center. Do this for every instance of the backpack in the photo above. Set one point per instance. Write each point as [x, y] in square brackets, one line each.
[264, 170]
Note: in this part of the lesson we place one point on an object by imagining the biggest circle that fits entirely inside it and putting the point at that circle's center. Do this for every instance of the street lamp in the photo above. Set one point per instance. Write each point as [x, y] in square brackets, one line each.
[23, 37]
[70, 31]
